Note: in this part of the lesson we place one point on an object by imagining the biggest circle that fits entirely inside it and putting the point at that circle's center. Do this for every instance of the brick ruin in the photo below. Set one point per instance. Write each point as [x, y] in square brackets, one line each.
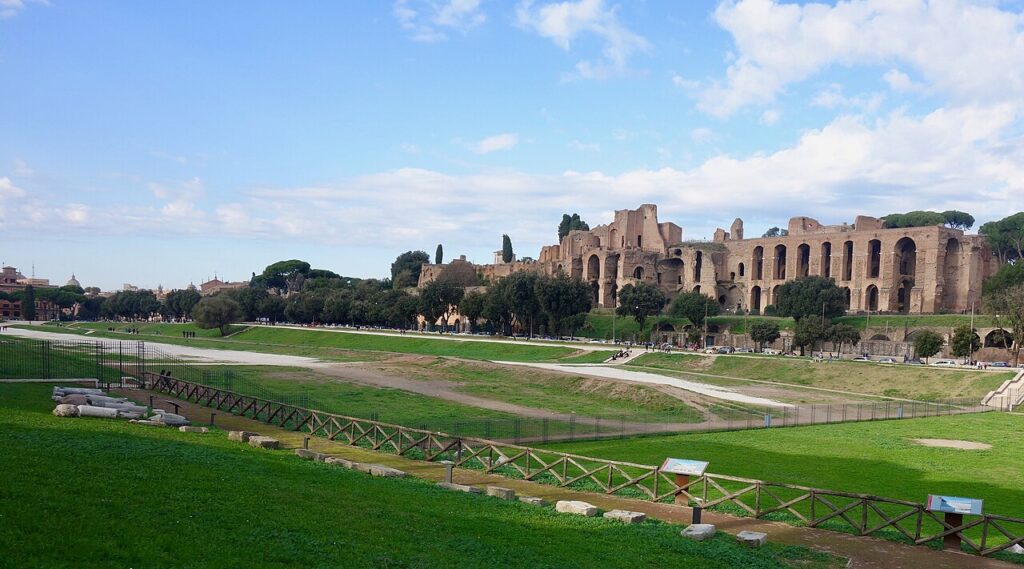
[907, 270]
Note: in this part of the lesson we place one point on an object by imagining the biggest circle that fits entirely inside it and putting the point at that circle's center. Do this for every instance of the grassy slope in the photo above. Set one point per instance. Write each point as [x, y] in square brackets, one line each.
[911, 382]
[341, 345]
[871, 457]
[599, 325]
[99, 493]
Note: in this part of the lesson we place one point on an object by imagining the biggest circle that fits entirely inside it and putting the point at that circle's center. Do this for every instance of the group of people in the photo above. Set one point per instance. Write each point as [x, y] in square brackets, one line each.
[188, 334]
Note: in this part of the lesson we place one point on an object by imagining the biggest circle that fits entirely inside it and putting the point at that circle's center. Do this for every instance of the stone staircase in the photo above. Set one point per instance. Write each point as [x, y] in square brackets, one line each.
[1009, 395]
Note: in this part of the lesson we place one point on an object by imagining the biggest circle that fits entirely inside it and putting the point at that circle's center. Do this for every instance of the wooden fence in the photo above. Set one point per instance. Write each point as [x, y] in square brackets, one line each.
[860, 514]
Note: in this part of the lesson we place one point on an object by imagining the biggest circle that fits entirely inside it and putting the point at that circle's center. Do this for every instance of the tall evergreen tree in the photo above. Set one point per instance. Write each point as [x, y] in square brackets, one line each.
[506, 249]
[28, 303]
[439, 255]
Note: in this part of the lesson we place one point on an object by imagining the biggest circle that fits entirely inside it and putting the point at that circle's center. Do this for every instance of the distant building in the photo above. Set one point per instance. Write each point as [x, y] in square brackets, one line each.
[13, 281]
[216, 285]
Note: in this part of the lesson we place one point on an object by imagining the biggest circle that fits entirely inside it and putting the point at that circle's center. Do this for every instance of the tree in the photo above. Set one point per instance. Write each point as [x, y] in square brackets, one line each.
[1007, 276]
[809, 332]
[217, 311]
[809, 296]
[763, 333]
[965, 341]
[497, 308]
[958, 219]
[437, 300]
[405, 271]
[640, 301]
[337, 307]
[561, 298]
[286, 276]
[28, 303]
[776, 232]
[1007, 307]
[571, 223]
[271, 308]
[694, 306]
[1006, 237]
[472, 307]
[305, 307]
[439, 255]
[521, 293]
[913, 219]
[506, 249]
[179, 303]
[927, 343]
[840, 334]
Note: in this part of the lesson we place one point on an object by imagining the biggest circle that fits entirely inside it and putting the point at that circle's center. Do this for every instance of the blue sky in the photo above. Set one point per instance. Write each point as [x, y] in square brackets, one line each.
[159, 143]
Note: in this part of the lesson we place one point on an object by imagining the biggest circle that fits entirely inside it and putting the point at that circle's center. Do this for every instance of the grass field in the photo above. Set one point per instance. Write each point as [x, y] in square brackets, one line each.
[871, 457]
[910, 382]
[100, 493]
[599, 325]
[339, 345]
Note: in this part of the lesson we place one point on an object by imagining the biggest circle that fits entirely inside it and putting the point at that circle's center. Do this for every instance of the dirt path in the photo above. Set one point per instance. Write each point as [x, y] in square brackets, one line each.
[863, 552]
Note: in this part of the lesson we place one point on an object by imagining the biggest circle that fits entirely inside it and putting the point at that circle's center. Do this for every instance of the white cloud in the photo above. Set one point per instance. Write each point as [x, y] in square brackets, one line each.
[900, 81]
[684, 83]
[960, 48]
[22, 169]
[702, 135]
[770, 117]
[11, 8]
[584, 146]
[410, 147]
[832, 97]
[9, 190]
[564, 22]
[497, 142]
[427, 20]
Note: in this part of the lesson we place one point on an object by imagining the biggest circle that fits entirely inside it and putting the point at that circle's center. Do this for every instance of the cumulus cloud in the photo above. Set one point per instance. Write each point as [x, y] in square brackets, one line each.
[9, 190]
[428, 20]
[564, 22]
[504, 141]
[900, 81]
[11, 8]
[971, 47]
[770, 117]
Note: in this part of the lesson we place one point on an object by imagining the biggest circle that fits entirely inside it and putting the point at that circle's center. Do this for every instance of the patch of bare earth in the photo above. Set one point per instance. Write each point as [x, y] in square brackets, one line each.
[950, 443]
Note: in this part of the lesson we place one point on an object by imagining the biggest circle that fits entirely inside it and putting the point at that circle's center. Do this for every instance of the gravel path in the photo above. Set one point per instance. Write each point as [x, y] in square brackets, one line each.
[608, 372]
[204, 355]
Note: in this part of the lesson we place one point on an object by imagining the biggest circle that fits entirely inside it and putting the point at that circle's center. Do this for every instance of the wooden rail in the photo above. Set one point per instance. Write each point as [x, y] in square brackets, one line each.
[861, 514]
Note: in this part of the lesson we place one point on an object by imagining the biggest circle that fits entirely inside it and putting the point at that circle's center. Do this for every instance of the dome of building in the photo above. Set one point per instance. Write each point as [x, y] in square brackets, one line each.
[73, 281]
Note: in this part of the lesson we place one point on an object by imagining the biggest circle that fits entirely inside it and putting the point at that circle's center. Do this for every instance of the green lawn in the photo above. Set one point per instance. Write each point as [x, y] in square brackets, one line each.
[102, 493]
[560, 393]
[339, 345]
[870, 457]
[599, 325]
[922, 383]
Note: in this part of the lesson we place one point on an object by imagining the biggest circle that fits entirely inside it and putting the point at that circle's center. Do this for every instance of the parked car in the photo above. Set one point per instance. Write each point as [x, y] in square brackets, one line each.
[710, 350]
[861, 359]
[743, 350]
[886, 360]
[914, 362]
[771, 352]
[998, 364]
[725, 350]
[944, 363]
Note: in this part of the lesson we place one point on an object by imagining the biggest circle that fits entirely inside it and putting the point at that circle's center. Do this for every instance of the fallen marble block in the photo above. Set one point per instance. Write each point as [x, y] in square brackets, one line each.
[148, 423]
[264, 442]
[533, 501]
[626, 516]
[576, 507]
[187, 429]
[460, 487]
[752, 538]
[65, 410]
[74, 399]
[699, 532]
[90, 411]
[386, 471]
[77, 390]
[342, 462]
[171, 419]
[310, 455]
[128, 414]
[241, 436]
[103, 400]
[503, 493]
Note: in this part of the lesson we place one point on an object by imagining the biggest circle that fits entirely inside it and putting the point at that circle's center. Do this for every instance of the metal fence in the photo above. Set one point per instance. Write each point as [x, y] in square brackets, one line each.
[111, 363]
[860, 514]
